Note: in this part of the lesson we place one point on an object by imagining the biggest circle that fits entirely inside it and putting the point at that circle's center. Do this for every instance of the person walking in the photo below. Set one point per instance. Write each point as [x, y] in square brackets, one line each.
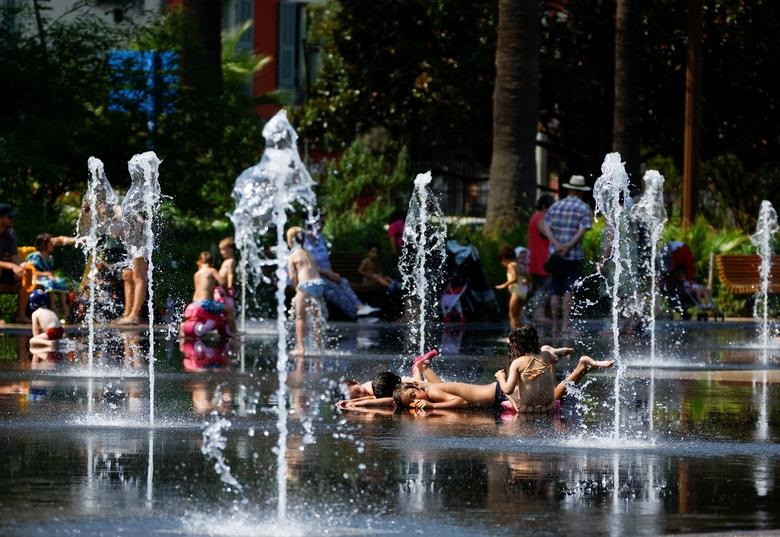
[565, 225]
[539, 251]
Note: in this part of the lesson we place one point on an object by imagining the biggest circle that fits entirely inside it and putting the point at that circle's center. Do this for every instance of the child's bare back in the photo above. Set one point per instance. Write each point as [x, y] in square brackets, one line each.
[206, 279]
[531, 382]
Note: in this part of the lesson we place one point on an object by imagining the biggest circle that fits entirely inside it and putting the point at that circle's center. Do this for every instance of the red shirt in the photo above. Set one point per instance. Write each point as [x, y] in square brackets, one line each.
[538, 246]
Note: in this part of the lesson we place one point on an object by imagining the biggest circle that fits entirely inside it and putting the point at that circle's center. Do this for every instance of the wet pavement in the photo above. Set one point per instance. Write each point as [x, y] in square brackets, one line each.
[698, 450]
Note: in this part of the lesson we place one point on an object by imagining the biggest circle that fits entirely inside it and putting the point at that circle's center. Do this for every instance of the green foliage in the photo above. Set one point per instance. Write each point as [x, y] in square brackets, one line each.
[423, 70]
[360, 190]
[54, 114]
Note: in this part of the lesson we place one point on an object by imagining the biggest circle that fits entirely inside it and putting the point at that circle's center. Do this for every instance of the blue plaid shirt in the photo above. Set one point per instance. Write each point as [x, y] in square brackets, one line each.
[565, 218]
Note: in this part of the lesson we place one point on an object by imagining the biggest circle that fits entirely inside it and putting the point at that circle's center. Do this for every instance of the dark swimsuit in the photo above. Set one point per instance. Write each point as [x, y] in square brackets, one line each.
[500, 396]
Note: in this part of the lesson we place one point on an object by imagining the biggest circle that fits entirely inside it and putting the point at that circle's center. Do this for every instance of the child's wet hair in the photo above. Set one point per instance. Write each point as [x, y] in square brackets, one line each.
[523, 340]
[205, 258]
[507, 252]
[295, 236]
[228, 242]
[384, 384]
[398, 391]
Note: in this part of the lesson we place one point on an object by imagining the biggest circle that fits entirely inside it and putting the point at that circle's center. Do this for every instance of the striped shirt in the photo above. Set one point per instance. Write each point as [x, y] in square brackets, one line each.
[565, 218]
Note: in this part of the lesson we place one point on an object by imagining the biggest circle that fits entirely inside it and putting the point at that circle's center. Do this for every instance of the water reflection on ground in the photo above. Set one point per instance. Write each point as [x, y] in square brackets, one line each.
[699, 449]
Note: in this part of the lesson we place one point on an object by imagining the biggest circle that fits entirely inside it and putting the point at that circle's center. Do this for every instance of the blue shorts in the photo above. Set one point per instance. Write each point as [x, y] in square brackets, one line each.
[315, 288]
[212, 306]
[563, 282]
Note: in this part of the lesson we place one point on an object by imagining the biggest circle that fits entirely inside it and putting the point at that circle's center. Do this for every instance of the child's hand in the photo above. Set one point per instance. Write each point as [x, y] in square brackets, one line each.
[500, 375]
[419, 404]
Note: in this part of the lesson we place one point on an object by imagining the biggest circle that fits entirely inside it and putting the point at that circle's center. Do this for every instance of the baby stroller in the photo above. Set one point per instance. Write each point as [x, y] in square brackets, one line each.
[467, 295]
[678, 268]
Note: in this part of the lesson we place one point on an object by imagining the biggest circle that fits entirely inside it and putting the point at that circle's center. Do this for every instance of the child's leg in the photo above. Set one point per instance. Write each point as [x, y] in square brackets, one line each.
[424, 372]
[139, 287]
[585, 364]
[127, 284]
[515, 306]
[316, 322]
[300, 321]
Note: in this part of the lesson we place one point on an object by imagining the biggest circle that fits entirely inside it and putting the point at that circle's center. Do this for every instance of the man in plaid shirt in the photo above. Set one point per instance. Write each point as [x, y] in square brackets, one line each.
[565, 225]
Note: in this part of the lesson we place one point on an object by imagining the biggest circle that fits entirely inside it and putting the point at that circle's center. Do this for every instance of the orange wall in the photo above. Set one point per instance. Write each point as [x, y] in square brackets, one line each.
[266, 41]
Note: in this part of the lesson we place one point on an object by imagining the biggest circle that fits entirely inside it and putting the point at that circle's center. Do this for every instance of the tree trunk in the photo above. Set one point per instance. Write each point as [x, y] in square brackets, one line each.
[515, 114]
[202, 54]
[626, 122]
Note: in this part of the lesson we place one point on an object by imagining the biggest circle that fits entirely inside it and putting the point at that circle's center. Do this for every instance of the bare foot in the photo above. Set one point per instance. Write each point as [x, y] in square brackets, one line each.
[590, 363]
[127, 321]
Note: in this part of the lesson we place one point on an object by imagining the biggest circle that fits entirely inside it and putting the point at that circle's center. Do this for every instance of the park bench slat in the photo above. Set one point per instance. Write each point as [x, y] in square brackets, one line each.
[740, 273]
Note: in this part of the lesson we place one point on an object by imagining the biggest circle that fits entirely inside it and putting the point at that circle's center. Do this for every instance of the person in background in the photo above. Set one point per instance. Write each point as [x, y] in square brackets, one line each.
[308, 285]
[371, 272]
[11, 270]
[43, 262]
[515, 283]
[337, 289]
[473, 205]
[395, 232]
[538, 252]
[565, 225]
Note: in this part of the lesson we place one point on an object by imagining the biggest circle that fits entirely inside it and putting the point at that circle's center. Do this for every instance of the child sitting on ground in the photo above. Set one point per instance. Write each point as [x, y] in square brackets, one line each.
[205, 313]
[531, 377]
[516, 282]
[227, 271]
[46, 327]
[369, 269]
[308, 286]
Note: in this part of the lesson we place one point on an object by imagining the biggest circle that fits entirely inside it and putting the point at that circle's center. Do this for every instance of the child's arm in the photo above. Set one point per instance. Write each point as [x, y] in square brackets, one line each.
[452, 401]
[508, 384]
[229, 280]
[368, 401]
[36, 325]
[292, 272]
[217, 277]
[511, 275]
[554, 354]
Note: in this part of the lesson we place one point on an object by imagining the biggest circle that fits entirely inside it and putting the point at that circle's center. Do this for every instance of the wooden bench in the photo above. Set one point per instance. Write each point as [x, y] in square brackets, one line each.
[740, 275]
[346, 265]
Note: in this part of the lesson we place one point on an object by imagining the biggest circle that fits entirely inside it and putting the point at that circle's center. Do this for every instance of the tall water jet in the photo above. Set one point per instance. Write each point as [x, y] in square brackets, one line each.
[422, 256]
[97, 215]
[139, 209]
[609, 192]
[651, 214]
[264, 194]
[766, 227]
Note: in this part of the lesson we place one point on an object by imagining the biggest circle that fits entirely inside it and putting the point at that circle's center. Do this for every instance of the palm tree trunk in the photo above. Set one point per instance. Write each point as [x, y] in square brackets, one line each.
[626, 122]
[515, 114]
[202, 51]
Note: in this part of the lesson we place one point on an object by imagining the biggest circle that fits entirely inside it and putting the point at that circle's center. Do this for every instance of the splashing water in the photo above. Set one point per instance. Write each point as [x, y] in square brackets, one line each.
[423, 256]
[139, 208]
[609, 191]
[214, 442]
[97, 212]
[264, 194]
[651, 214]
[766, 227]
[271, 185]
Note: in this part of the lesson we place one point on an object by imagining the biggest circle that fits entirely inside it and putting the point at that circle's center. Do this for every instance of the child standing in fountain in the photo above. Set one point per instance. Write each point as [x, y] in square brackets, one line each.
[516, 281]
[225, 292]
[308, 286]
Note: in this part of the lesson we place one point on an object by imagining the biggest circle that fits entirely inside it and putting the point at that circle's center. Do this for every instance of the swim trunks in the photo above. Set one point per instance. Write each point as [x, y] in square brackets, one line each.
[54, 332]
[315, 287]
[211, 306]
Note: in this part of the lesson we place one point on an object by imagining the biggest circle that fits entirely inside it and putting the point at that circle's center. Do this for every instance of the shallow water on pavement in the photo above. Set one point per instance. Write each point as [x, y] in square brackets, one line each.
[699, 449]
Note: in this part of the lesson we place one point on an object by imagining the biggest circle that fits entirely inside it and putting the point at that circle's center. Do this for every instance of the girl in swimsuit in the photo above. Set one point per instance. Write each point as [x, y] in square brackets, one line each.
[515, 283]
[530, 380]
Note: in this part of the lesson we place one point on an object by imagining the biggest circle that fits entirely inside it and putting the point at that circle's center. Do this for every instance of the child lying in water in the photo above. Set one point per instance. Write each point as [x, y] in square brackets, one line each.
[530, 387]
